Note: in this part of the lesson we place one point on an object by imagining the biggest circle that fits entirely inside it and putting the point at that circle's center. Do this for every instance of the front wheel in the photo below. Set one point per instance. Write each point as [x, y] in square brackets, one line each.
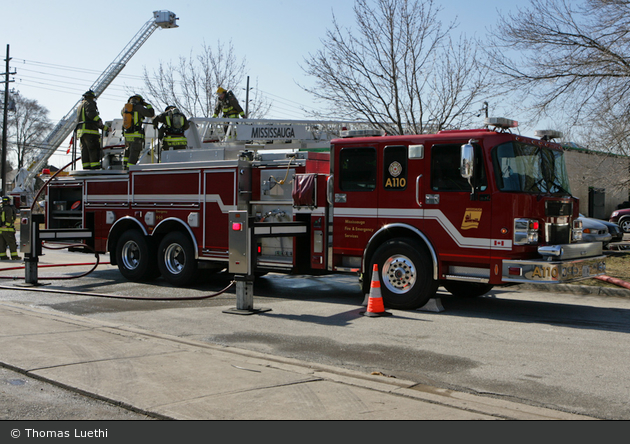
[406, 273]
[176, 259]
[624, 224]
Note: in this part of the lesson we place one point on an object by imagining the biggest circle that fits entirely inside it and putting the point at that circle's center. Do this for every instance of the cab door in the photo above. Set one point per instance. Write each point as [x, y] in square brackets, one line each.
[355, 205]
[458, 221]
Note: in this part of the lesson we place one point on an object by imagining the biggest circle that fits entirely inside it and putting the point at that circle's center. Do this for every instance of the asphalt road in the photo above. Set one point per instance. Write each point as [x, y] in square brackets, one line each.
[27, 399]
[558, 350]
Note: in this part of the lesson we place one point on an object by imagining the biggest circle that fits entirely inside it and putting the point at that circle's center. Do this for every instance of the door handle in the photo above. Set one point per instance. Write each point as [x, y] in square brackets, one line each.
[418, 190]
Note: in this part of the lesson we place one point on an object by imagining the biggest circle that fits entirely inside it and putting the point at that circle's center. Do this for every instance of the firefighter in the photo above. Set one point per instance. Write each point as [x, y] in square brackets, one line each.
[87, 131]
[228, 105]
[171, 133]
[134, 112]
[7, 231]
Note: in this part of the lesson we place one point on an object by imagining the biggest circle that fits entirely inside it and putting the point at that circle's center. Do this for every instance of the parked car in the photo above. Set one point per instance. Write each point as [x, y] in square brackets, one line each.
[613, 229]
[621, 218]
[593, 230]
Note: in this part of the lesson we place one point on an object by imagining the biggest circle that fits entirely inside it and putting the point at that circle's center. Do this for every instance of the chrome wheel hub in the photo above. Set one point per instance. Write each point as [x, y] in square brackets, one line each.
[131, 255]
[399, 274]
[174, 258]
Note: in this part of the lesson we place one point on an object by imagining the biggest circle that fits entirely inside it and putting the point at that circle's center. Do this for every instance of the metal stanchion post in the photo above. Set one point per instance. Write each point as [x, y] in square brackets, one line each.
[244, 293]
[30, 245]
[241, 263]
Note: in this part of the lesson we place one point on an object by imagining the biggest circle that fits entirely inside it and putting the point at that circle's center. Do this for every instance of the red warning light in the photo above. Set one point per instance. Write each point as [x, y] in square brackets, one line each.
[514, 271]
[237, 226]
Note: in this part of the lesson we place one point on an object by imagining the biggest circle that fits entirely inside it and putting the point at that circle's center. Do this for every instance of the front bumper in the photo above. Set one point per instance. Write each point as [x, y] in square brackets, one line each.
[560, 264]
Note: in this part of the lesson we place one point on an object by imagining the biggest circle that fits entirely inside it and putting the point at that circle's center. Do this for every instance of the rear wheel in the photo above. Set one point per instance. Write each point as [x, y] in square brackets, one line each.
[176, 259]
[406, 273]
[624, 224]
[135, 256]
[467, 289]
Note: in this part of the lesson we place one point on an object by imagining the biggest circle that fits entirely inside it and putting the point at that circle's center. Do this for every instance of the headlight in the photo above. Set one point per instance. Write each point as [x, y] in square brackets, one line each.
[577, 230]
[525, 231]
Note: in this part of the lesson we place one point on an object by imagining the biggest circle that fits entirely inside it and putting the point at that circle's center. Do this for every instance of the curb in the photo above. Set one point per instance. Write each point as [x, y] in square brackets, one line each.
[585, 290]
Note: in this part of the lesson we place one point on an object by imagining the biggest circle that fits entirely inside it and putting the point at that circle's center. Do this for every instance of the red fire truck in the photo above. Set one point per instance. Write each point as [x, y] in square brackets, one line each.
[466, 209]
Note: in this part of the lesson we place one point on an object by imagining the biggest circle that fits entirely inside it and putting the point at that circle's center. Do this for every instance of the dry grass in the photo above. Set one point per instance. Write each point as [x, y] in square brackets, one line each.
[617, 266]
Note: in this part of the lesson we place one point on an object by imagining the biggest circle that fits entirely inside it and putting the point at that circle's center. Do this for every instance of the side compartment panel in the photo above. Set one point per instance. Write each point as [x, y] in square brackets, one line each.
[219, 197]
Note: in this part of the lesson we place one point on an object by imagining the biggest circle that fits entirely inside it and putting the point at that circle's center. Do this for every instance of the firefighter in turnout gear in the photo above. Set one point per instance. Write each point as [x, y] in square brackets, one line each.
[134, 112]
[88, 131]
[7, 231]
[228, 105]
[171, 133]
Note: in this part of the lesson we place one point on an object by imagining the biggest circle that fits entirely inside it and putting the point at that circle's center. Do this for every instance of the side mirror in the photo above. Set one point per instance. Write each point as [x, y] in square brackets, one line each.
[467, 161]
[467, 167]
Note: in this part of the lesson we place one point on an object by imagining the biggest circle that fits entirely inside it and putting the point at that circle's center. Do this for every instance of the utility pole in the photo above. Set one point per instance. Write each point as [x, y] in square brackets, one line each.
[247, 100]
[4, 123]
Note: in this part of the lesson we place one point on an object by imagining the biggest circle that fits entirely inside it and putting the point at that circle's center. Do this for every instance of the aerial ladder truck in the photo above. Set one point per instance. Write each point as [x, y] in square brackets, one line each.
[24, 183]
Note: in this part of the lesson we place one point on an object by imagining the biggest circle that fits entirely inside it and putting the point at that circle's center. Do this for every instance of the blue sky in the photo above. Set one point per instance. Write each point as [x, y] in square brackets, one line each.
[60, 48]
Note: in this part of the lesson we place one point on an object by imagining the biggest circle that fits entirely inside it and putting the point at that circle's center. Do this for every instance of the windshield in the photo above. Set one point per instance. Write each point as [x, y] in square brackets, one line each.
[530, 169]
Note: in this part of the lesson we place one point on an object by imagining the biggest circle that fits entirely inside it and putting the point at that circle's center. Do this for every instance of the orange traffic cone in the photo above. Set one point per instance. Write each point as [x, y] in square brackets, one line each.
[375, 301]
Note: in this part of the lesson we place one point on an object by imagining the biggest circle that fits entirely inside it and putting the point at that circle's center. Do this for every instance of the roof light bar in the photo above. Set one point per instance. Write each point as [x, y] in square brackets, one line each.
[501, 122]
[548, 134]
[362, 133]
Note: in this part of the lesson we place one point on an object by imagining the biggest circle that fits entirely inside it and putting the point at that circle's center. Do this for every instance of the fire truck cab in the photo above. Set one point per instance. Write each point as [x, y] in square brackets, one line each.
[466, 210]
[463, 209]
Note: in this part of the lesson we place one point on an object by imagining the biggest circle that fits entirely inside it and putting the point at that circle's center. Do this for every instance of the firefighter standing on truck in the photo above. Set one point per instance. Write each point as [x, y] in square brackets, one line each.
[171, 133]
[87, 131]
[228, 105]
[134, 112]
[7, 231]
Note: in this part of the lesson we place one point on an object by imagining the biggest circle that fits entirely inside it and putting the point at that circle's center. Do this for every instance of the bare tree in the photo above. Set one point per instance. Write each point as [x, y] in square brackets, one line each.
[28, 127]
[399, 69]
[191, 83]
[570, 60]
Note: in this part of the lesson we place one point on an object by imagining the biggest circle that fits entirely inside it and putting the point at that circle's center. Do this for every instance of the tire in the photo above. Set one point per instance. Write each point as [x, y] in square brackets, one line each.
[176, 259]
[467, 289]
[624, 224]
[406, 274]
[135, 256]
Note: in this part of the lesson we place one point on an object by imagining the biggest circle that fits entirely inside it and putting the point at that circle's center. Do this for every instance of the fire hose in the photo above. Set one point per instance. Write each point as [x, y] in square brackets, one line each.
[113, 296]
[615, 281]
[95, 265]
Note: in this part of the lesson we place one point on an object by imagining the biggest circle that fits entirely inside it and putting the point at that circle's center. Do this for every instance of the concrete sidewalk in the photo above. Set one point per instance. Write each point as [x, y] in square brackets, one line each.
[172, 378]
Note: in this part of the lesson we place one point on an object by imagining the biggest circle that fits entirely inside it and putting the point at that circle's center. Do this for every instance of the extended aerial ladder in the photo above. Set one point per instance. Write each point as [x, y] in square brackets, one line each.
[25, 178]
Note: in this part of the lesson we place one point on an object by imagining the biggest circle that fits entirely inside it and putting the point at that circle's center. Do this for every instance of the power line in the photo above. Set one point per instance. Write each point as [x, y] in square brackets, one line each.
[76, 69]
[64, 80]
[69, 89]
[65, 84]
